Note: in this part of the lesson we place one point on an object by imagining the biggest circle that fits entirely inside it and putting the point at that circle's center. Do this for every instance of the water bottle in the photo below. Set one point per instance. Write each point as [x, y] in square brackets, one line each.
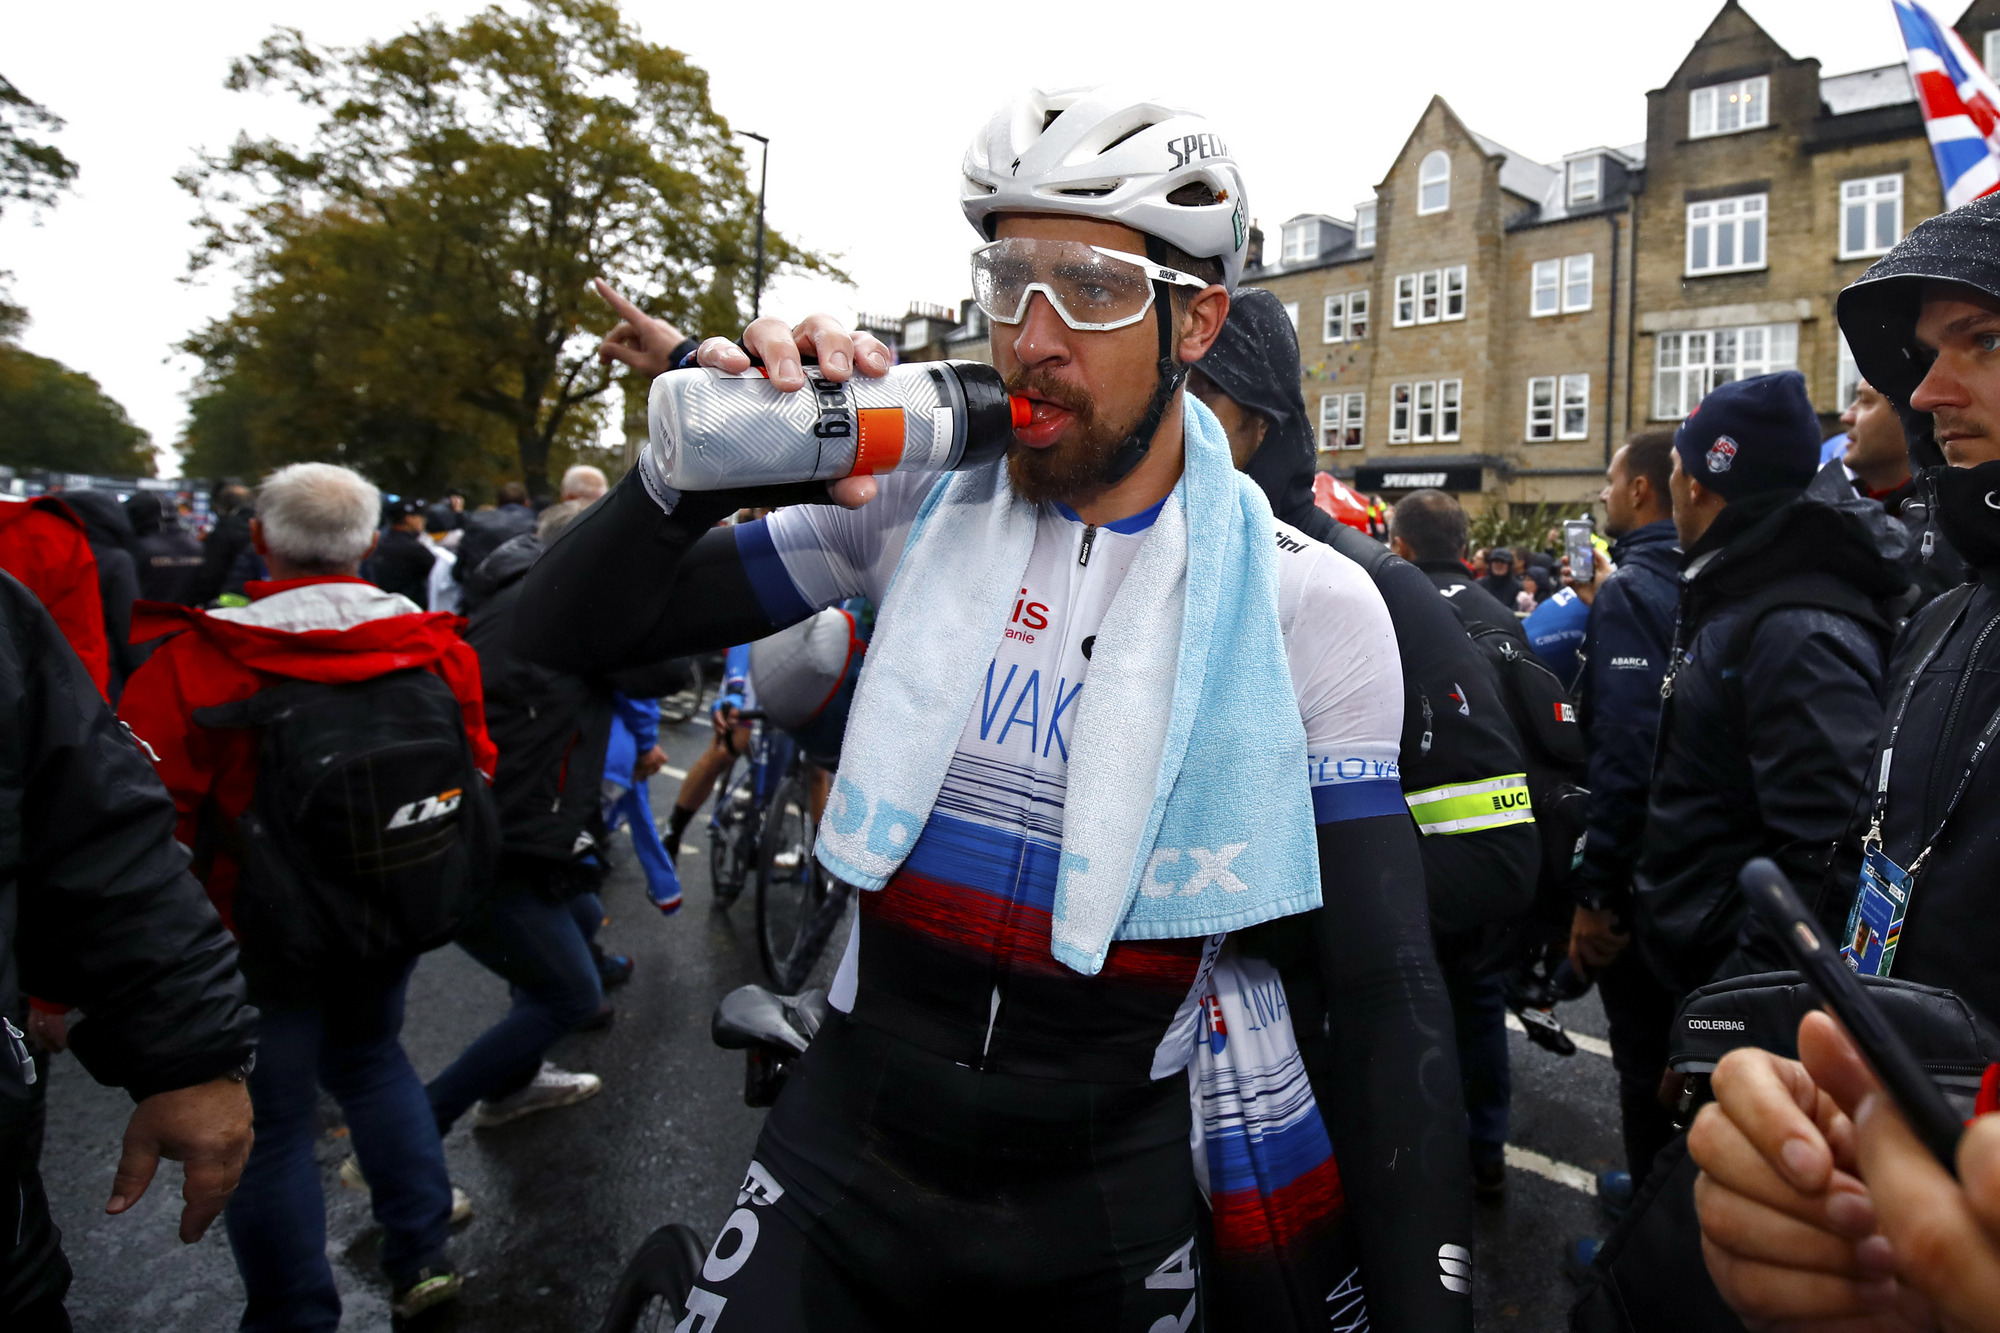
[712, 430]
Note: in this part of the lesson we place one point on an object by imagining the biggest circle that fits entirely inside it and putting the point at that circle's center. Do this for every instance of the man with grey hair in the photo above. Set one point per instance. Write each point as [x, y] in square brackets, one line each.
[584, 482]
[313, 621]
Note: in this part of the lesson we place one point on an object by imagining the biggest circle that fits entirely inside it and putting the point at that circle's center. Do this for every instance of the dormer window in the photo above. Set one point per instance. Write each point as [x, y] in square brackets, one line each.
[1302, 241]
[1583, 180]
[1364, 226]
[1729, 108]
[1434, 184]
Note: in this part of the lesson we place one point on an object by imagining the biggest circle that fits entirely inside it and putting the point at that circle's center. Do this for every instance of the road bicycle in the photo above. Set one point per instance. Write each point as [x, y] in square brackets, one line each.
[773, 1031]
[743, 793]
[799, 902]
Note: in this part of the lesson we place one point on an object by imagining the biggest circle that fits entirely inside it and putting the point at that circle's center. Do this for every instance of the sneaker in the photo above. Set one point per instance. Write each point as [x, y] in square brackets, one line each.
[1489, 1180]
[431, 1289]
[1614, 1194]
[552, 1087]
[613, 969]
[351, 1177]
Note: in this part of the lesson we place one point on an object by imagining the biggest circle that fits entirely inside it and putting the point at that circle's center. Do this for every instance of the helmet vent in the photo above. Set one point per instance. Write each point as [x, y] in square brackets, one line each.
[1195, 194]
[1136, 129]
[1048, 119]
[1086, 191]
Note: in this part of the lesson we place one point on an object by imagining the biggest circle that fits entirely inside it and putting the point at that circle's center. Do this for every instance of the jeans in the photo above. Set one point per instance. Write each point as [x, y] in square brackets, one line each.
[1640, 1013]
[541, 947]
[1479, 1013]
[349, 1044]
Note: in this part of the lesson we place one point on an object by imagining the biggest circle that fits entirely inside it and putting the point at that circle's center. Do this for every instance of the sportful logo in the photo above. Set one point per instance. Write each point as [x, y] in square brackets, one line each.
[1721, 454]
[422, 812]
[1455, 1268]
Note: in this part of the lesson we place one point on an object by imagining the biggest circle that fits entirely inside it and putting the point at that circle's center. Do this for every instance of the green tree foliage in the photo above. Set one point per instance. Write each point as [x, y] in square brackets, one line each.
[57, 418]
[415, 302]
[31, 172]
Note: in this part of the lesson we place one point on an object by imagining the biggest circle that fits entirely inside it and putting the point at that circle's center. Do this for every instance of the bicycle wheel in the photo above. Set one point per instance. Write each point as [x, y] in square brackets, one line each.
[789, 888]
[651, 1295]
[731, 845]
[684, 703]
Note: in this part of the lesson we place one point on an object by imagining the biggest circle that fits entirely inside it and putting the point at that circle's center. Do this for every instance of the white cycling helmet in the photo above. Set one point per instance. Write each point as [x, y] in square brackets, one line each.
[1100, 153]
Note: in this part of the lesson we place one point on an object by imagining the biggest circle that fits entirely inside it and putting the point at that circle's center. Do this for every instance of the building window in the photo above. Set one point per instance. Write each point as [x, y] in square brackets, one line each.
[1357, 316]
[1430, 287]
[1426, 427]
[1545, 287]
[1727, 108]
[1850, 373]
[1992, 52]
[1341, 416]
[1335, 330]
[1292, 313]
[1542, 407]
[1426, 298]
[1454, 292]
[1583, 177]
[1448, 409]
[1434, 183]
[1687, 365]
[1302, 241]
[1577, 271]
[1406, 300]
[1726, 235]
[1364, 226]
[1399, 414]
[1575, 420]
[1871, 215]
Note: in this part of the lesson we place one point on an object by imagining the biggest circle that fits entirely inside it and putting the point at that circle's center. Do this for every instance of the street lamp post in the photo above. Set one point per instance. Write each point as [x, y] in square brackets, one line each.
[763, 175]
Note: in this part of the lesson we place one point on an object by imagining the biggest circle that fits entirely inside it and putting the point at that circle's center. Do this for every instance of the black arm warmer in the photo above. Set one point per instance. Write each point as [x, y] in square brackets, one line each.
[1396, 1116]
[628, 585]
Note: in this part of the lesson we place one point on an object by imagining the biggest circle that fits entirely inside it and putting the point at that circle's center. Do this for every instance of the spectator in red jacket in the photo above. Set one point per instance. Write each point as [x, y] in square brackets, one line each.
[314, 620]
[43, 544]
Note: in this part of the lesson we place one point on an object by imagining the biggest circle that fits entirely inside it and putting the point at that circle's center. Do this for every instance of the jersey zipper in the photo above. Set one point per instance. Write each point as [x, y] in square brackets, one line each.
[1089, 538]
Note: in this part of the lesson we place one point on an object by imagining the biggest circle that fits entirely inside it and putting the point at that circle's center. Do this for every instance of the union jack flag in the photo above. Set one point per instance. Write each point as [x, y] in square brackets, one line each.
[1960, 103]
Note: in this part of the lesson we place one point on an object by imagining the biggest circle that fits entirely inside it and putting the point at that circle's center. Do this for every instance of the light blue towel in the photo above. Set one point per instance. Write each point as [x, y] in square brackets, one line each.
[1187, 811]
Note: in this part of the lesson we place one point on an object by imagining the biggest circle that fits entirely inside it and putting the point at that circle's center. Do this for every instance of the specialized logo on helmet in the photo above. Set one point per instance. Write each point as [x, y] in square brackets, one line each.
[1196, 148]
[1721, 454]
[431, 807]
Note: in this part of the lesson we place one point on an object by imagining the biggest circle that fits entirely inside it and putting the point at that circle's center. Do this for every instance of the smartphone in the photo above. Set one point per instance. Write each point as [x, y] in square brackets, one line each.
[1582, 556]
[1777, 905]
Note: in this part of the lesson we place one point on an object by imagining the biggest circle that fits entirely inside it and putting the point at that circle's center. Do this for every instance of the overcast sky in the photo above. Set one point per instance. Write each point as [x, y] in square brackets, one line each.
[869, 108]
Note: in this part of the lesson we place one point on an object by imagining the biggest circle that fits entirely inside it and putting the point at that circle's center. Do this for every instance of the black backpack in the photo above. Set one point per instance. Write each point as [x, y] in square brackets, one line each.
[1552, 750]
[371, 836]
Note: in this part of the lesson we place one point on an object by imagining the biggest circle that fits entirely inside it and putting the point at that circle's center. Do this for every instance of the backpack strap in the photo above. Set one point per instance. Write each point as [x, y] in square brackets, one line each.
[260, 708]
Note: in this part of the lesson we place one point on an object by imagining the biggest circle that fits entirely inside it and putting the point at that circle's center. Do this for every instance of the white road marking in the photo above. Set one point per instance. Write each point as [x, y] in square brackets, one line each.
[670, 771]
[1562, 1173]
[1595, 1045]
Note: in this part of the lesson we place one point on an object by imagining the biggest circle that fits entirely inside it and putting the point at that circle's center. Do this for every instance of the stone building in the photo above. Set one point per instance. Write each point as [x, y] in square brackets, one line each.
[1495, 325]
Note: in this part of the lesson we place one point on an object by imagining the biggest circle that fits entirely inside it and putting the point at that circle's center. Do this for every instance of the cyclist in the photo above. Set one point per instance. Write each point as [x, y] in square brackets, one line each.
[983, 1132]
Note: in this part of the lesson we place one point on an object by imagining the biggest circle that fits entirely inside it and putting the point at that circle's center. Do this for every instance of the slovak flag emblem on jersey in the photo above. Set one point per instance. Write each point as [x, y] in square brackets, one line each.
[1721, 454]
[1960, 103]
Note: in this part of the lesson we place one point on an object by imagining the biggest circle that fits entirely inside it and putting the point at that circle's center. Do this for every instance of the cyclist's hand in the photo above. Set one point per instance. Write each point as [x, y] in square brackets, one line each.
[649, 763]
[639, 340]
[723, 719]
[840, 354]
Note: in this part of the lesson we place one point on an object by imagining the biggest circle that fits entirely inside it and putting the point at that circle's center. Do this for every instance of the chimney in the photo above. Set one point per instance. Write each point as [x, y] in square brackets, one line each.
[1254, 256]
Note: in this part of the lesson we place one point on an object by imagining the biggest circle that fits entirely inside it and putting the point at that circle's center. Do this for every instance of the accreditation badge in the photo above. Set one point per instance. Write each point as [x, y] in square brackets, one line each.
[1875, 925]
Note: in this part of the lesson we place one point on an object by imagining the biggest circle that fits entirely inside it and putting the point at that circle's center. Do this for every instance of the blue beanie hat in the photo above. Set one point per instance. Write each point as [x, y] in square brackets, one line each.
[1747, 436]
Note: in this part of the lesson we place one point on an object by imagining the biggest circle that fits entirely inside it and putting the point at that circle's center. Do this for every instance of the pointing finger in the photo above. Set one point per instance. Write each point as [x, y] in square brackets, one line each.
[628, 312]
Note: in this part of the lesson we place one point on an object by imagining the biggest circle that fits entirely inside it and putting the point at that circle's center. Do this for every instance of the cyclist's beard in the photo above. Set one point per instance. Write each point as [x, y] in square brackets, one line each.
[1071, 470]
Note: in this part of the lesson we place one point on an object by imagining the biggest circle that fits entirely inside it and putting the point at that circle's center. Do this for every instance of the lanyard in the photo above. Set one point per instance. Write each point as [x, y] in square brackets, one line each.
[1979, 749]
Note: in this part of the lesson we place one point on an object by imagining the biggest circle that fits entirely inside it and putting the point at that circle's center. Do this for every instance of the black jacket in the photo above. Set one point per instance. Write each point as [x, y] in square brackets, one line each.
[486, 531]
[1763, 756]
[1951, 934]
[402, 564]
[1468, 596]
[1625, 648]
[551, 727]
[228, 539]
[109, 530]
[169, 558]
[97, 910]
[1929, 573]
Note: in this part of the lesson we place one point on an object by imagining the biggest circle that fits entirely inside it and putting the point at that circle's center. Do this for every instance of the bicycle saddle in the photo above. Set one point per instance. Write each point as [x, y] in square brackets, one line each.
[754, 1016]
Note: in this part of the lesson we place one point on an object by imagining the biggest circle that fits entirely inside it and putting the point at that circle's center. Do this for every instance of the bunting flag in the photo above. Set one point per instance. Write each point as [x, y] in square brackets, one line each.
[1960, 103]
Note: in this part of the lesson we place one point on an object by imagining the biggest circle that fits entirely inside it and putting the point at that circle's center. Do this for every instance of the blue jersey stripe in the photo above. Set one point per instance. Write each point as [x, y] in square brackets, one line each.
[777, 595]
[1138, 522]
[978, 856]
[1336, 801]
[1280, 1156]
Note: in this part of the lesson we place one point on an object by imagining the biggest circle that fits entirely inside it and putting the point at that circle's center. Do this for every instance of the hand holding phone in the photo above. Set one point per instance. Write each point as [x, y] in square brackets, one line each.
[1578, 550]
[1773, 900]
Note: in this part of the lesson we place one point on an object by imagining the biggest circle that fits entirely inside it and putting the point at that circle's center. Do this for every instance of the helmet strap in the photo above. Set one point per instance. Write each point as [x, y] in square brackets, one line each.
[1132, 450]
